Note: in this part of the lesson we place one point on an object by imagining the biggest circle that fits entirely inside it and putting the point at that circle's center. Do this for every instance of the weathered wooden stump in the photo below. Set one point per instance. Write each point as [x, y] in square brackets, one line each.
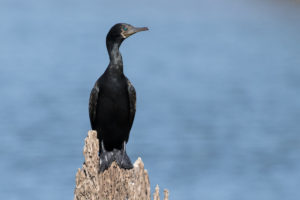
[114, 183]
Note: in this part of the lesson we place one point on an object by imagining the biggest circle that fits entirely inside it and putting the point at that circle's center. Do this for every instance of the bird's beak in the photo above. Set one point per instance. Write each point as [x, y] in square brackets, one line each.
[139, 29]
[132, 30]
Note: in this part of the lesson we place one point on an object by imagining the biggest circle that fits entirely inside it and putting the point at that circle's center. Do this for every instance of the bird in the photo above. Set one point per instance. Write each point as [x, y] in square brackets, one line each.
[112, 102]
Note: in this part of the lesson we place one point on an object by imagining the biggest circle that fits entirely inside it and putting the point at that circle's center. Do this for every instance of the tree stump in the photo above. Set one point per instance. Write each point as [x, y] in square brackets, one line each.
[114, 183]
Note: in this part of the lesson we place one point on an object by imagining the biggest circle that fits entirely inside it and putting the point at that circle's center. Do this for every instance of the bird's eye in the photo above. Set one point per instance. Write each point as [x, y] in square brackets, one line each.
[125, 28]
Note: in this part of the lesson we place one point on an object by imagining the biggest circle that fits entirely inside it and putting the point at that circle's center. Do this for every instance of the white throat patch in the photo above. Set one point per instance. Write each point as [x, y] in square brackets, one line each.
[123, 34]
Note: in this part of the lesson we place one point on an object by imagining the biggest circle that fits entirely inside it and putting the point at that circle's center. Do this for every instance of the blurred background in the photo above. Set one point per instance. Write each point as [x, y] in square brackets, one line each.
[218, 94]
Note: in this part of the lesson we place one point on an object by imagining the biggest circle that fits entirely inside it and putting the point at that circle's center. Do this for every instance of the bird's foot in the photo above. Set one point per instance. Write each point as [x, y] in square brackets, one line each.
[106, 159]
[123, 160]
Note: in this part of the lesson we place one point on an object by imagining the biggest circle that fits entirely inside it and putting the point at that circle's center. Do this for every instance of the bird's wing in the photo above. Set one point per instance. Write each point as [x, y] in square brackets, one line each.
[132, 101]
[93, 105]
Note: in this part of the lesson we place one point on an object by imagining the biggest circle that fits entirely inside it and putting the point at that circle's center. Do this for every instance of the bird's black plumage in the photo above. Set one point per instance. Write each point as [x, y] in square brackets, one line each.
[112, 102]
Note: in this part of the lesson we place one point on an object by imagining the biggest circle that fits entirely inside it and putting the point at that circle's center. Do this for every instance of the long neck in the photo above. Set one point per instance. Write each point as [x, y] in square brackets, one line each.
[116, 62]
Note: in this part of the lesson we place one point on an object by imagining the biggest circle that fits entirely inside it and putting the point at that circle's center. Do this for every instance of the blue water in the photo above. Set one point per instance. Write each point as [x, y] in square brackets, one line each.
[218, 94]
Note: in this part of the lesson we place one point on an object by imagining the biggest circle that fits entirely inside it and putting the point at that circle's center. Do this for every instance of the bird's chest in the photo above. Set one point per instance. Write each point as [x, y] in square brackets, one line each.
[115, 87]
[114, 94]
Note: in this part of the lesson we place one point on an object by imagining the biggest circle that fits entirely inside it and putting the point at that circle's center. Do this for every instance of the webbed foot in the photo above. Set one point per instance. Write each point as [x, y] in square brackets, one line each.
[106, 158]
[122, 158]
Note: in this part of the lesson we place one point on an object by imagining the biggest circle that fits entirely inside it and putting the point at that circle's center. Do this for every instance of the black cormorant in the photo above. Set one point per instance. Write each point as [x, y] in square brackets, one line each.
[112, 102]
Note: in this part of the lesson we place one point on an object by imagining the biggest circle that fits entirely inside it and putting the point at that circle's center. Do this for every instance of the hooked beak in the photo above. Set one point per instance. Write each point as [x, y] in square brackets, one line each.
[132, 30]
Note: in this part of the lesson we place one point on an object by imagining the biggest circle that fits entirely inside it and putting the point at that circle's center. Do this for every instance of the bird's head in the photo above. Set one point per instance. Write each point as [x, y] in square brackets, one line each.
[121, 31]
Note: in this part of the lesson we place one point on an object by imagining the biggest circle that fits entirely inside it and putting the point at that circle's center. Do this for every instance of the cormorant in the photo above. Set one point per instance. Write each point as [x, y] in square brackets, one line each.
[112, 102]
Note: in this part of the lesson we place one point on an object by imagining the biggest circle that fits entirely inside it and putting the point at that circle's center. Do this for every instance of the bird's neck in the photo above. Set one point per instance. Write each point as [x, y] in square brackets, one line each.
[116, 62]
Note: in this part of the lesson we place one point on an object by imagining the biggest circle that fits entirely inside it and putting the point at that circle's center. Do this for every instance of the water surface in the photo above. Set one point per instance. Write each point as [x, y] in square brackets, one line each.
[217, 94]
